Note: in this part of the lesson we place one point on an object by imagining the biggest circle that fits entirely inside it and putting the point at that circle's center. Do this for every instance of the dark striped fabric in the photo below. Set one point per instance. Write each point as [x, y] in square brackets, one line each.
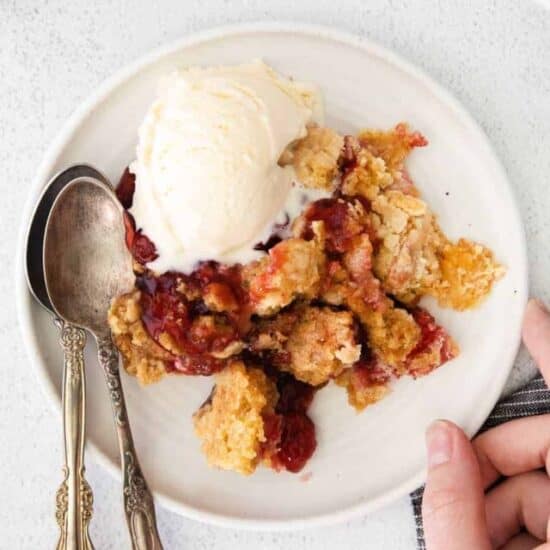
[532, 399]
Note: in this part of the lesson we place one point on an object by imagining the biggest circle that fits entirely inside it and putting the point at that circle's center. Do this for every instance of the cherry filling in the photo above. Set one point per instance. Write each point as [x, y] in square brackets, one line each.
[431, 334]
[290, 433]
[263, 283]
[294, 396]
[126, 188]
[297, 442]
[186, 328]
[433, 338]
[166, 315]
[370, 372]
[140, 246]
[335, 216]
[223, 282]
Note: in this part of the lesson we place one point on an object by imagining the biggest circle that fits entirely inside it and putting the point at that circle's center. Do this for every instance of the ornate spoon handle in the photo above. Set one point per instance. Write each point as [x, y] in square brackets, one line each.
[74, 499]
[138, 501]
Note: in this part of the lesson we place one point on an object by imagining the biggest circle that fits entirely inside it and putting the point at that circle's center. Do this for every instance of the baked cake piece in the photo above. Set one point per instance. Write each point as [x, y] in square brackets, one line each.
[362, 173]
[365, 383]
[468, 272]
[292, 269]
[392, 146]
[350, 282]
[391, 332]
[231, 422]
[314, 344]
[434, 348]
[410, 249]
[374, 161]
[252, 418]
[409, 242]
[315, 158]
[414, 258]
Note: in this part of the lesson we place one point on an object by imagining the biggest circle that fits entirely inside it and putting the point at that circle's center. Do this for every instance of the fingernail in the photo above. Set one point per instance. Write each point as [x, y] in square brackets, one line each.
[439, 443]
[539, 303]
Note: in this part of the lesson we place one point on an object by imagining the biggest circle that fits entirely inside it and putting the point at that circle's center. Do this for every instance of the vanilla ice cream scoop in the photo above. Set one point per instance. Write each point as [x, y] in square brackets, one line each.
[208, 183]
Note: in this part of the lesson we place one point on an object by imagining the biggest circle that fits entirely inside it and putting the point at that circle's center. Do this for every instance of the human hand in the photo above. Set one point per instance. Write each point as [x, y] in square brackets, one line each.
[462, 508]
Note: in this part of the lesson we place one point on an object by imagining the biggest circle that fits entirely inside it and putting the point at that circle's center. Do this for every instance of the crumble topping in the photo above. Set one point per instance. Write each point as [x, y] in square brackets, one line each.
[468, 272]
[407, 259]
[363, 173]
[364, 385]
[231, 423]
[391, 332]
[292, 269]
[315, 158]
[314, 344]
[392, 146]
[336, 300]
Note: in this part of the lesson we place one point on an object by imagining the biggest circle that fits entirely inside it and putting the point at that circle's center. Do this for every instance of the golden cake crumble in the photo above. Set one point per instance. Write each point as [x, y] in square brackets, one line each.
[293, 269]
[314, 344]
[406, 260]
[468, 272]
[364, 174]
[391, 332]
[335, 297]
[392, 146]
[231, 423]
[361, 394]
[315, 158]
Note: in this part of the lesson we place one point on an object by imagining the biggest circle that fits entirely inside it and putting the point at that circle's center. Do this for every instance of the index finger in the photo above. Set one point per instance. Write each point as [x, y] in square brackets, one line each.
[521, 445]
[513, 448]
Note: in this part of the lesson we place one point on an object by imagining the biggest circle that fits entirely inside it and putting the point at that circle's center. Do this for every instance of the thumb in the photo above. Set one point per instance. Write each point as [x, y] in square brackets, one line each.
[453, 508]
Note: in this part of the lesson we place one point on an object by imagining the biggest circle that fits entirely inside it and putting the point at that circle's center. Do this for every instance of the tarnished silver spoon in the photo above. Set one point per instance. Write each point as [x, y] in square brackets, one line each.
[74, 500]
[87, 264]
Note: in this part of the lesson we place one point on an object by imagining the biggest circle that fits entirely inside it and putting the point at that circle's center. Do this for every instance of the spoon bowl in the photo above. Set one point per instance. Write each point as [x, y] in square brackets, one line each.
[85, 255]
[34, 246]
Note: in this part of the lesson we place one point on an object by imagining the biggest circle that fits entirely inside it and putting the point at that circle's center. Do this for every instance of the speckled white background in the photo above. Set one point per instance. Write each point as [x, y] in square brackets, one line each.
[493, 55]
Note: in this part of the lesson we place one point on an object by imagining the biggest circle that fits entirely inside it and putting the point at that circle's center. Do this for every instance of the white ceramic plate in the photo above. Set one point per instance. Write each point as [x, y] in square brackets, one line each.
[363, 460]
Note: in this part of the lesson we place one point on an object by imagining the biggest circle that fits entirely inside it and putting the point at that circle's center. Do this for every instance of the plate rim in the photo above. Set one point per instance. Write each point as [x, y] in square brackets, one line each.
[99, 94]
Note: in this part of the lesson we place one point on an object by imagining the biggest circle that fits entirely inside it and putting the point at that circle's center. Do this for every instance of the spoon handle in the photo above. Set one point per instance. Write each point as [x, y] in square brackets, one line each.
[138, 501]
[74, 499]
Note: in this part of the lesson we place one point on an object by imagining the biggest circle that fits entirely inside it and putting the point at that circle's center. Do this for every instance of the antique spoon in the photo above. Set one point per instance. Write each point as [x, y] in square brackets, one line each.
[87, 264]
[74, 500]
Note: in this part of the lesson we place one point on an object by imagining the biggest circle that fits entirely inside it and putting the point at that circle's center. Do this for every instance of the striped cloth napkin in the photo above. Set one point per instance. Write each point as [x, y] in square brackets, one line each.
[532, 399]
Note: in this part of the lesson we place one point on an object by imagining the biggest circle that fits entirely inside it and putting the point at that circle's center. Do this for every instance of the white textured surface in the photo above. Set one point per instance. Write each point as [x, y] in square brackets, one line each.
[495, 57]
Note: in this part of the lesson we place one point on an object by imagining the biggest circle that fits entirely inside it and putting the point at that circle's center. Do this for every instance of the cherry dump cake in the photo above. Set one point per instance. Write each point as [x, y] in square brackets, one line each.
[329, 294]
